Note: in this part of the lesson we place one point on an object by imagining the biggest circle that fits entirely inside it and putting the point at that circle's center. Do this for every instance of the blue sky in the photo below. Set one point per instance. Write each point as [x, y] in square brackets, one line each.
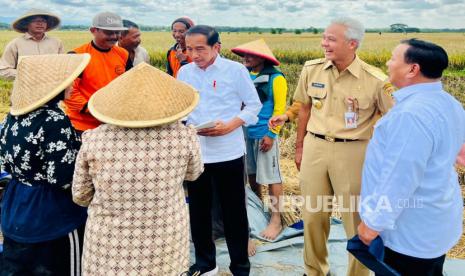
[261, 13]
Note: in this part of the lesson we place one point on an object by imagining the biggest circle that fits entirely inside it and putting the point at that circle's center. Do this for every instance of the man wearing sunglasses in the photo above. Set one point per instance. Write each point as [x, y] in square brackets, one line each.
[108, 61]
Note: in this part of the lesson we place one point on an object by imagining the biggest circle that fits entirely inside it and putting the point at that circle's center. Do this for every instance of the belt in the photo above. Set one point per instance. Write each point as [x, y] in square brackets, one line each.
[332, 139]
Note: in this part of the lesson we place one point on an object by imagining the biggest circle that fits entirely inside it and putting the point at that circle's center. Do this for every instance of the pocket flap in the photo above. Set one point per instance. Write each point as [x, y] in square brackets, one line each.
[319, 93]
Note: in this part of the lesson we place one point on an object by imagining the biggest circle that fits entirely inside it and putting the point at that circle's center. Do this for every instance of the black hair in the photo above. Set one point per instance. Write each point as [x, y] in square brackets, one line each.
[183, 21]
[128, 24]
[432, 58]
[209, 32]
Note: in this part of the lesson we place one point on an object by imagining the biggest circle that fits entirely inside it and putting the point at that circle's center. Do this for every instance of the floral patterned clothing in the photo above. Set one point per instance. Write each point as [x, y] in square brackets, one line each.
[39, 149]
[131, 181]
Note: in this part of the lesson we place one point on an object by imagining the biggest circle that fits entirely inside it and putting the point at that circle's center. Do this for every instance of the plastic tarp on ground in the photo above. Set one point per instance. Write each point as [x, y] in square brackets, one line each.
[284, 257]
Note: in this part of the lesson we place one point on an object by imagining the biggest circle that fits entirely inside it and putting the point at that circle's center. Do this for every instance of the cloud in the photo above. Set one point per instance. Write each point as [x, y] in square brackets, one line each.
[263, 13]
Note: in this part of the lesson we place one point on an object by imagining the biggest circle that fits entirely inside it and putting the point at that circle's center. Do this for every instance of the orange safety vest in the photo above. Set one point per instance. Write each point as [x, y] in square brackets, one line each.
[173, 64]
[104, 66]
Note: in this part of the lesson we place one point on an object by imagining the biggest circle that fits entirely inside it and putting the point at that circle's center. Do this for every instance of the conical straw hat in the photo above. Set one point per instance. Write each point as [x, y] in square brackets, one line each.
[20, 24]
[143, 97]
[41, 78]
[257, 48]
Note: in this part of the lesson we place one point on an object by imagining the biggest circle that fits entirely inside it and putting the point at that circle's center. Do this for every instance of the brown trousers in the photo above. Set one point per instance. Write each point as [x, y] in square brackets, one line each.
[329, 169]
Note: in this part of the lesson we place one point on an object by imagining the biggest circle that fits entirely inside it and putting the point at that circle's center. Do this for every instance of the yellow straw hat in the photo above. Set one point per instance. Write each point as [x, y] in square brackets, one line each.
[143, 97]
[257, 48]
[20, 24]
[41, 78]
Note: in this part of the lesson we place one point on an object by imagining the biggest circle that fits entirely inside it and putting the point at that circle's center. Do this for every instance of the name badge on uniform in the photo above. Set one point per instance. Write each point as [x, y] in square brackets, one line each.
[351, 117]
[318, 85]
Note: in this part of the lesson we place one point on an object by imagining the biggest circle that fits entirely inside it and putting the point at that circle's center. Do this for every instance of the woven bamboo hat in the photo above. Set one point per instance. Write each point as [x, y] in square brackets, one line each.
[256, 48]
[143, 97]
[20, 24]
[41, 78]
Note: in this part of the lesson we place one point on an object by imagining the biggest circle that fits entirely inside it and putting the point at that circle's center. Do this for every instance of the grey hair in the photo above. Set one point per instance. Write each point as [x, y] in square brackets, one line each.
[355, 29]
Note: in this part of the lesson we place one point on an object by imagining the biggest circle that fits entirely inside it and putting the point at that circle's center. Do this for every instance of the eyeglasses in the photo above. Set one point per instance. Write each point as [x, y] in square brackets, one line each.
[110, 33]
[38, 20]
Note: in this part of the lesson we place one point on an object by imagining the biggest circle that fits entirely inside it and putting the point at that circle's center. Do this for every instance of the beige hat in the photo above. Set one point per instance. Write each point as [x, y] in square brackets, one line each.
[143, 97]
[41, 78]
[20, 24]
[256, 48]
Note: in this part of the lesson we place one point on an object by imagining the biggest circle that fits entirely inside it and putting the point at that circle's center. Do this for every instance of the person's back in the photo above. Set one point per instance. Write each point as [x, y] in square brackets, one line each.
[129, 172]
[137, 177]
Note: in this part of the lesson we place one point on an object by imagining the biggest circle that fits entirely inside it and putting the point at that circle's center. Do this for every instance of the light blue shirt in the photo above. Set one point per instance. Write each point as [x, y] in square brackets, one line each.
[224, 87]
[410, 192]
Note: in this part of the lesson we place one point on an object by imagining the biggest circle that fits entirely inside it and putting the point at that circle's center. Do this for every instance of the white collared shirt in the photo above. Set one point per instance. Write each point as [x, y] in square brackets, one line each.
[410, 191]
[140, 55]
[224, 87]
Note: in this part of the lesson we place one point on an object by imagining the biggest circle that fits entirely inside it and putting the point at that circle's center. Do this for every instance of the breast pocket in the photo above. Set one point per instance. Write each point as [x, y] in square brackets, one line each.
[318, 97]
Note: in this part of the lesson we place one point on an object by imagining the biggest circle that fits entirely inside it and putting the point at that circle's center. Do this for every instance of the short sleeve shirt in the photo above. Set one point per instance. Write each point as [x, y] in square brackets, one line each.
[327, 89]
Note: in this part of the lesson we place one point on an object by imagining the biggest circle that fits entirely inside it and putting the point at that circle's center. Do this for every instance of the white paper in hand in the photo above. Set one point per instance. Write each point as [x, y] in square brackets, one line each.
[205, 125]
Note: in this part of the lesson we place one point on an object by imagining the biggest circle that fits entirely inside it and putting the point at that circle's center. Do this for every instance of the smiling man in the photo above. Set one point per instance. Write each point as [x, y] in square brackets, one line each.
[108, 61]
[34, 24]
[229, 99]
[130, 40]
[341, 98]
[410, 165]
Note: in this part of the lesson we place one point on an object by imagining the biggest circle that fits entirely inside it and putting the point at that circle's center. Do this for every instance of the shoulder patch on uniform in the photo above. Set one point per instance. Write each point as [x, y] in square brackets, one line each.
[388, 89]
[315, 61]
[375, 72]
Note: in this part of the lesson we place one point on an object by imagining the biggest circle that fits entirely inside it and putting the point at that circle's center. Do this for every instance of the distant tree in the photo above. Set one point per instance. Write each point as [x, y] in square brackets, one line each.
[412, 30]
[273, 31]
[315, 31]
[280, 30]
[297, 31]
[398, 27]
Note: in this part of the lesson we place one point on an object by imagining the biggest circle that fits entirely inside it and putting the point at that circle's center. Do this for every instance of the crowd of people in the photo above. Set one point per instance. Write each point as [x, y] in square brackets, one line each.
[101, 147]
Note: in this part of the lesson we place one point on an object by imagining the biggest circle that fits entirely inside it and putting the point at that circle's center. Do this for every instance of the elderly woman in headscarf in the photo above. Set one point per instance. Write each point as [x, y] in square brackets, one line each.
[42, 226]
[176, 56]
[129, 172]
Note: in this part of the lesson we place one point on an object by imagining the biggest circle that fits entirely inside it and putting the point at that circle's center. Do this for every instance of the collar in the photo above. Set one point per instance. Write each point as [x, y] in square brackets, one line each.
[29, 36]
[216, 64]
[354, 68]
[407, 91]
[100, 49]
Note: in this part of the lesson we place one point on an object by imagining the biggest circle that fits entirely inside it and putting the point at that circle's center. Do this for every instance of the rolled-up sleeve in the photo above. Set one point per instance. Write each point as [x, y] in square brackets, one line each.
[407, 147]
[83, 188]
[249, 97]
[195, 164]
[9, 61]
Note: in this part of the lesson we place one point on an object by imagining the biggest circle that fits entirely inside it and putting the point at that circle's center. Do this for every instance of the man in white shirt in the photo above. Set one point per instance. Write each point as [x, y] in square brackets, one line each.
[229, 99]
[130, 40]
[410, 193]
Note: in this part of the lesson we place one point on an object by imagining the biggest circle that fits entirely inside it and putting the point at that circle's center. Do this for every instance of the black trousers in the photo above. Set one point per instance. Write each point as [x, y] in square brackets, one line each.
[58, 257]
[228, 178]
[408, 265]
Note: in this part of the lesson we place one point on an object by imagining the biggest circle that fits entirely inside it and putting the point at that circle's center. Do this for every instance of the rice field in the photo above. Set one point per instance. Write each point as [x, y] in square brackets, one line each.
[292, 50]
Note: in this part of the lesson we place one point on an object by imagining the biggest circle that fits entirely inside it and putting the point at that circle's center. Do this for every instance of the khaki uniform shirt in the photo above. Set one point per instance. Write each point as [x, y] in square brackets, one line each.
[327, 89]
[25, 45]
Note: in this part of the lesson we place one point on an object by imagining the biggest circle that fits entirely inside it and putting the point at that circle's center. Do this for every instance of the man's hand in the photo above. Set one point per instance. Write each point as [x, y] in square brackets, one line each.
[218, 130]
[180, 55]
[366, 234]
[298, 157]
[266, 143]
[277, 120]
